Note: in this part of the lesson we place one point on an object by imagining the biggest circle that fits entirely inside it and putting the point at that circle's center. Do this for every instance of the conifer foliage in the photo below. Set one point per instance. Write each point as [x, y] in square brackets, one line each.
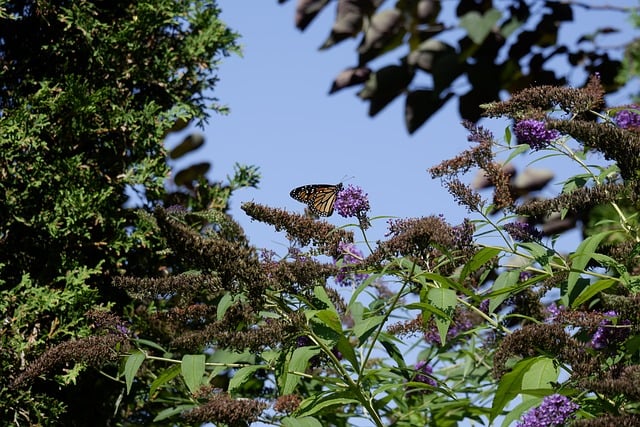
[168, 315]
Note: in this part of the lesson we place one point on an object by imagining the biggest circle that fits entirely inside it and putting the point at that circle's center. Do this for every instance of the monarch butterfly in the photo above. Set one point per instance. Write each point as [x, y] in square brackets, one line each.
[319, 197]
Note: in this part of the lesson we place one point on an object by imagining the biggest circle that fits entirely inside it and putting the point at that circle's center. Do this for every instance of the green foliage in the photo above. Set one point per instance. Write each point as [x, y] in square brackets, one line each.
[90, 90]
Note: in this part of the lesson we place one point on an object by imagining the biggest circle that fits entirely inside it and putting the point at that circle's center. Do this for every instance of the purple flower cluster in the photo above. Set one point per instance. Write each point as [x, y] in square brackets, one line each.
[350, 256]
[423, 373]
[628, 119]
[553, 311]
[523, 232]
[352, 202]
[534, 133]
[606, 335]
[554, 410]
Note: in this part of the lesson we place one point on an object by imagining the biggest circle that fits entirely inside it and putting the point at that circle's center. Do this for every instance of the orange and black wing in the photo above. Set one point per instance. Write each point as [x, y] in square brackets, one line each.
[319, 197]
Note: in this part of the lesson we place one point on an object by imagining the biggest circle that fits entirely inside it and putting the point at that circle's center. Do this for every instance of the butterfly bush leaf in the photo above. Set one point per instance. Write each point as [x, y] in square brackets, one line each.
[365, 327]
[301, 422]
[170, 412]
[297, 365]
[540, 375]
[509, 386]
[193, 367]
[592, 290]
[479, 259]
[445, 300]
[579, 260]
[242, 375]
[164, 377]
[131, 366]
[313, 405]
[502, 288]
[322, 295]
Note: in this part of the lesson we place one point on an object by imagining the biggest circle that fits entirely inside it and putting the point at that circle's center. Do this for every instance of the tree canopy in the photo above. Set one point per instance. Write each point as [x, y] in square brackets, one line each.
[430, 52]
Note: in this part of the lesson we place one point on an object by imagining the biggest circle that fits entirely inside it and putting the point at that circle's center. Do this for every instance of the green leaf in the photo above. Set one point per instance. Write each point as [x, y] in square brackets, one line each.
[480, 258]
[505, 282]
[366, 326]
[593, 289]
[148, 343]
[193, 366]
[330, 319]
[169, 412]
[540, 253]
[301, 422]
[312, 405]
[445, 300]
[297, 364]
[164, 377]
[516, 151]
[392, 349]
[321, 294]
[509, 386]
[223, 305]
[344, 346]
[242, 375]
[579, 260]
[133, 363]
[539, 375]
[479, 26]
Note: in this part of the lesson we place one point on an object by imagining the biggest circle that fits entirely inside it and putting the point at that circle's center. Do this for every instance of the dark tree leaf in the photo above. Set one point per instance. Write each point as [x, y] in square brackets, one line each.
[530, 180]
[385, 85]
[350, 77]
[466, 6]
[384, 33]
[187, 176]
[306, 11]
[420, 105]
[427, 11]
[349, 20]
[189, 144]
[429, 52]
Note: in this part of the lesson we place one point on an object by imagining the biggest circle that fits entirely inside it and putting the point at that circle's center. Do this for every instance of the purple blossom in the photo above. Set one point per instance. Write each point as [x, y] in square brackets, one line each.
[484, 306]
[423, 373]
[304, 341]
[628, 119]
[553, 311]
[351, 256]
[555, 410]
[534, 133]
[353, 202]
[122, 329]
[607, 335]
[523, 232]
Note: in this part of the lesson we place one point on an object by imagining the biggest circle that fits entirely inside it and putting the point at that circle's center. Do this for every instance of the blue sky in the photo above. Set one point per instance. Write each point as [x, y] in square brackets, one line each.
[283, 121]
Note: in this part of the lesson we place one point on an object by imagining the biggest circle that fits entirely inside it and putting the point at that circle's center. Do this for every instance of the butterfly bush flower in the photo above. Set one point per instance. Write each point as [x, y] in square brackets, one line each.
[628, 119]
[555, 410]
[423, 374]
[523, 232]
[606, 335]
[350, 256]
[553, 311]
[534, 133]
[353, 202]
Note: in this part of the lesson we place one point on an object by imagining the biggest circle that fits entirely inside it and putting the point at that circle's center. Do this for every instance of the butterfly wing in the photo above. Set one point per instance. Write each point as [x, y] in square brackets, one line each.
[319, 197]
